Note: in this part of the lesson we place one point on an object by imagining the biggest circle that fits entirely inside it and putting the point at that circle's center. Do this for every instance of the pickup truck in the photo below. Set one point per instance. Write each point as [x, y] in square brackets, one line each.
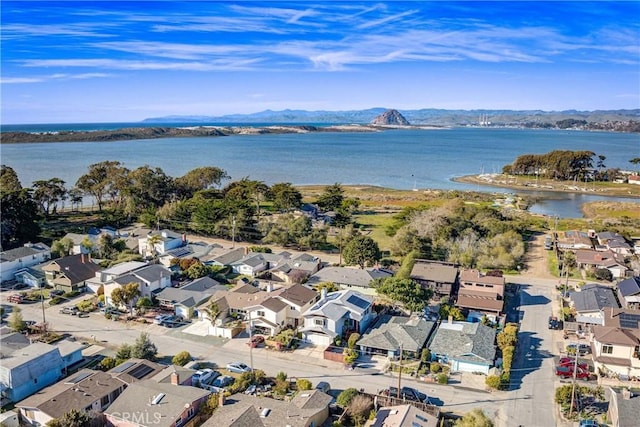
[15, 298]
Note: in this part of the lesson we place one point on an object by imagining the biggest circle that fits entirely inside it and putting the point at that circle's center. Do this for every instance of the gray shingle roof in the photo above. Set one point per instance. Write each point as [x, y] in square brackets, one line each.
[593, 298]
[392, 331]
[23, 251]
[630, 286]
[434, 271]
[465, 341]
[348, 276]
[153, 272]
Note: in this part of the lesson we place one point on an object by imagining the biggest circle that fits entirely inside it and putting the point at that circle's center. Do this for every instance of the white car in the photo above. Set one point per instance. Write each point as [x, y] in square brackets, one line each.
[238, 367]
[201, 376]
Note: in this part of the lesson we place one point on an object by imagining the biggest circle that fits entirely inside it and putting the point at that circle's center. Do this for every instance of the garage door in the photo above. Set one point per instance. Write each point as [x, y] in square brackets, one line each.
[470, 367]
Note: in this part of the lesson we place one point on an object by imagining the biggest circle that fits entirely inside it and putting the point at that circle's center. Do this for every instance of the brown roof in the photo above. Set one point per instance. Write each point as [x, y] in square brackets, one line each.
[434, 271]
[614, 335]
[479, 302]
[77, 268]
[299, 294]
[274, 304]
[612, 316]
[474, 276]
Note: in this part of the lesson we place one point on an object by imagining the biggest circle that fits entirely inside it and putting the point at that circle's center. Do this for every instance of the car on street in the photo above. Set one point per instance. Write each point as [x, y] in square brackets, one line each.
[15, 298]
[567, 372]
[407, 393]
[588, 423]
[255, 341]
[554, 323]
[70, 309]
[238, 367]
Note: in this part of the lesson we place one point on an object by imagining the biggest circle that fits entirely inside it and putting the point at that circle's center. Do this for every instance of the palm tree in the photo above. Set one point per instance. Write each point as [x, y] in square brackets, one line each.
[151, 244]
[213, 310]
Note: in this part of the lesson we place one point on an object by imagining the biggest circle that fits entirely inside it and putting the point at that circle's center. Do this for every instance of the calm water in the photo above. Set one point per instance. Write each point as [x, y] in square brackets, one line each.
[402, 159]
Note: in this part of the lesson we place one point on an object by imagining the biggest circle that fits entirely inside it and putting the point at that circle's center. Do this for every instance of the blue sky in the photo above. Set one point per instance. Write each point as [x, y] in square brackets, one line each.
[126, 61]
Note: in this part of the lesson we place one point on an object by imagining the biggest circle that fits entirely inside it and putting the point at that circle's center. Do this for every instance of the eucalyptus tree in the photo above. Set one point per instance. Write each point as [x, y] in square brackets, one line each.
[197, 179]
[47, 193]
[102, 180]
[148, 188]
[331, 198]
[19, 218]
[361, 251]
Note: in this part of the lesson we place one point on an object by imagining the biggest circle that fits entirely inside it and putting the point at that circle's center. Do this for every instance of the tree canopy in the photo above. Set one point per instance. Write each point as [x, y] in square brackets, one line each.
[557, 164]
[361, 251]
[404, 291]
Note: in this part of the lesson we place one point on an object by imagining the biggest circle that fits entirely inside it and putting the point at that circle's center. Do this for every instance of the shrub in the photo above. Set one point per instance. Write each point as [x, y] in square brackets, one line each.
[435, 367]
[425, 356]
[442, 378]
[346, 397]
[493, 381]
[304, 384]
[107, 363]
[181, 358]
[353, 339]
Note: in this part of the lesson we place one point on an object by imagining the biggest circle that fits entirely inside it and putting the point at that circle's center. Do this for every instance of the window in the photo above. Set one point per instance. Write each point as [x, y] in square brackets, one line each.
[260, 313]
[104, 401]
[178, 422]
[319, 322]
[607, 349]
[190, 412]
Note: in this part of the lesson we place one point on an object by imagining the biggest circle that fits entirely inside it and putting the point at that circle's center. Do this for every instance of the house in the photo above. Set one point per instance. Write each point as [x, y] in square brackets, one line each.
[614, 242]
[28, 368]
[86, 390]
[108, 274]
[227, 257]
[350, 277]
[590, 301]
[198, 250]
[32, 276]
[629, 292]
[402, 416]
[160, 242]
[480, 292]
[70, 273]
[624, 407]
[591, 260]
[268, 317]
[299, 299]
[621, 317]
[174, 374]
[306, 409]
[337, 314]
[634, 179]
[616, 349]
[440, 277]
[297, 269]
[390, 333]
[465, 346]
[184, 300]
[251, 264]
[25, 256]
[574, 239]
[159, 404]
[151, 279]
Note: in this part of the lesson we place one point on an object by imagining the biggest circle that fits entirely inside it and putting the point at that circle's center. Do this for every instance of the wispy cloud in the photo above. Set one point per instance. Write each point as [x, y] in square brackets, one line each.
[46, 78]
[122, 64]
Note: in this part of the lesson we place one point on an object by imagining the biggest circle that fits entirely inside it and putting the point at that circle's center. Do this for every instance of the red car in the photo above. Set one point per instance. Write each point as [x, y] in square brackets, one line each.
[255, 341]
[570, 361]
[567, 372]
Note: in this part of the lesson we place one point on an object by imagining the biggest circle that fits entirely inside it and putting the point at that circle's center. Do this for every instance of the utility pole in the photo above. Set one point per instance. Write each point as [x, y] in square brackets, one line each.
[44, 319]
[573, 386]
[233, 232]
[250, 343]
[400, 372]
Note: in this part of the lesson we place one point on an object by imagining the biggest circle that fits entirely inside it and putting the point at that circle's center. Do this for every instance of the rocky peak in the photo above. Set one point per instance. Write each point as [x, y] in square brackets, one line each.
[390, 117]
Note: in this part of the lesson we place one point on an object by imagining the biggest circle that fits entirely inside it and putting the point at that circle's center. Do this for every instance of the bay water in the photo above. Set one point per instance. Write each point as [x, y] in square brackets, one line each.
[401, 159]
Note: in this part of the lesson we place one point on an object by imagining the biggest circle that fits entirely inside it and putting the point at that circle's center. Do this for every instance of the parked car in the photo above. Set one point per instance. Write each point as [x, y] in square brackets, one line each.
[15, 298]
[567, 372]
[70, 309]
[201, 376]
[570, 361]
[161, 318]
[238, 367]
[170, 322]
[582, 349]
[554, 323]
[223, 381]
[588, 423]
[251, 389]
[407, 393]
[323, 386]
[56, 292]
[255, 341]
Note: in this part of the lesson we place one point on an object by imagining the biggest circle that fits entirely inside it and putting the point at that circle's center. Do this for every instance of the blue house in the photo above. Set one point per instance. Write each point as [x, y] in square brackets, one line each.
[28, 368]
[465, 346]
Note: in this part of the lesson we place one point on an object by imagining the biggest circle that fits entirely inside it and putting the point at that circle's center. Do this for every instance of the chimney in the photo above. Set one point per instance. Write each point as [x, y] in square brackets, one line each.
[184, 239]
[450, 319]
[221, 399]
[626, 394]
[323, 293]
[175, 378]
[246, 250]
[82, 257]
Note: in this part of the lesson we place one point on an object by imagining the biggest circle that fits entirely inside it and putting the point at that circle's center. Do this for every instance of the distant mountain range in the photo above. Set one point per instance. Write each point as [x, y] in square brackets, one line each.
[429, 116]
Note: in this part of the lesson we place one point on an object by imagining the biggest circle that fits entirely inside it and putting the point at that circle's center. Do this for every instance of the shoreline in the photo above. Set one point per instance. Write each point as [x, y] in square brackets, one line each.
[506, 181]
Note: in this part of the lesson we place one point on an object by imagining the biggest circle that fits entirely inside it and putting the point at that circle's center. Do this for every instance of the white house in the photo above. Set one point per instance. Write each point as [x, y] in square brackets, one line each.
[25, 256]
[268, 317]
[163, 241]
[616, 350]
[103, 276]
[299, 299]
[251, 264]
[150, 279]
[337, 314]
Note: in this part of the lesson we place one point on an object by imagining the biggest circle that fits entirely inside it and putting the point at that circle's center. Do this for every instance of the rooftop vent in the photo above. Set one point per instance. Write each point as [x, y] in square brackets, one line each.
[265, 413]
[157, 399]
